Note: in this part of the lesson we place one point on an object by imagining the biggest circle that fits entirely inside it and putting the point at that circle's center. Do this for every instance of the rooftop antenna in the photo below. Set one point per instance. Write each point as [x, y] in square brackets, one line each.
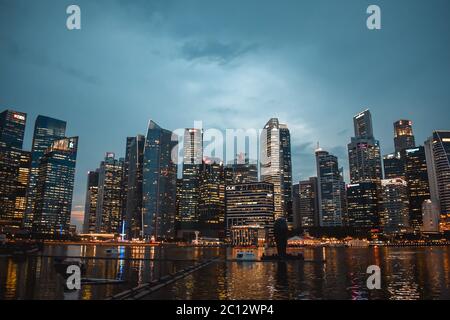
[318, 147]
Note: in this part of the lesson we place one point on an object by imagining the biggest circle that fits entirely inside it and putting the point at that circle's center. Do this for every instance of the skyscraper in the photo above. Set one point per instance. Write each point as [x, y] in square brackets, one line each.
[394, 206]
[331, 190]
[134, 162]
[403, 135]
[12, 129]
[394, 166]
[212, 199]
[430, 218]
[242, 170]
[90, 207]
[12, 162]
[437, 149]
[108, 212]
[364, 151]
[416, 176]
[23, 177]
[307, 207]
[159, 183]
[192, 160]
[276, 166]
[54, 188]
[46, 131]
[124, 187]
[362, 206]
[250, 204]
[362, 123]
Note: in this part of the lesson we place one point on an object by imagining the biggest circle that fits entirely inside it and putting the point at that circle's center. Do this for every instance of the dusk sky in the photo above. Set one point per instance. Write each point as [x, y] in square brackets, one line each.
[231, 64]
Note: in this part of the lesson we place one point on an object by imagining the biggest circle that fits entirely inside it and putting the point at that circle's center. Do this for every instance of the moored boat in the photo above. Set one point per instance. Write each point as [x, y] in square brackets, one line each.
[245, 256]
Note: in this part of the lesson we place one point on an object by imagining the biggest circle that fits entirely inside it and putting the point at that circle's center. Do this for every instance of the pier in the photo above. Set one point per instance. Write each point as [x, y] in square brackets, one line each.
[144, 290]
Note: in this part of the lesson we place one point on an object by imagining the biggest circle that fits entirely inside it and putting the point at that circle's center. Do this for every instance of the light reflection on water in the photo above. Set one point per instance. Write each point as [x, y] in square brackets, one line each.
[407, 273]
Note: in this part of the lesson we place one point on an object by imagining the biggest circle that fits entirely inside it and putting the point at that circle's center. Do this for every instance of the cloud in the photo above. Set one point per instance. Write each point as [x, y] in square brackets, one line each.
[24, 54]
[215, 51]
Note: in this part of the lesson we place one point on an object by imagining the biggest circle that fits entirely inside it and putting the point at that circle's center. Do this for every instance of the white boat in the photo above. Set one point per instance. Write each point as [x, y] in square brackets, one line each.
[245, 256]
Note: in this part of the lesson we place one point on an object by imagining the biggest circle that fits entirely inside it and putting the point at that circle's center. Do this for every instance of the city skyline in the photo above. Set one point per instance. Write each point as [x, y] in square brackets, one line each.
[78, 220]
[207, 77]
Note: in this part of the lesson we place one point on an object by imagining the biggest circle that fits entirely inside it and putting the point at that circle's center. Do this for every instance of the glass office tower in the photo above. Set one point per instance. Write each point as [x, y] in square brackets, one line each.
[276, 166]
[364, 151]
[437, 149]
[46, 131]
[331, 190]
[54, 188]
[159, 183]
[135, 161]
[403, 135]
[90, 207]
[13, 162]
[109, 203]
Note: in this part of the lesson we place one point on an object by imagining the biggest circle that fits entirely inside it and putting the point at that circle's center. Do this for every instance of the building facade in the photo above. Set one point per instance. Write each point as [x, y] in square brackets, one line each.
[54, 189]
[192, 160]
[331, 190]
[135, 178]
[437, 149]
[394, 166]
[241, 170]
[250, 204]
[46, 131]
[403, 135]
[109, 203]
[159, 183]
[362, 206]
[13, 162]
[416, 176]
[90, 205]
[308, 203]
[212, 199]
[394, 205]
[276, 166]
[430, 218]
[364, 151]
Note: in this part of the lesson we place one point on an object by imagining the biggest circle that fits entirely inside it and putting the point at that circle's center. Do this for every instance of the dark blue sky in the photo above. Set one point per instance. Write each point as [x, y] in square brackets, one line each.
[231, 64]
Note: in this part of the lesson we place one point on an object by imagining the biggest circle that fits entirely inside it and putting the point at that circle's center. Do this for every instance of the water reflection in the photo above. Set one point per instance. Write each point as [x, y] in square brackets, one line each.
[407, 273]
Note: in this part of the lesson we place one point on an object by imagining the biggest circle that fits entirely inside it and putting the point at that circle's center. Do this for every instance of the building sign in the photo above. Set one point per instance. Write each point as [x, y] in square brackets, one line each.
[19, 117]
